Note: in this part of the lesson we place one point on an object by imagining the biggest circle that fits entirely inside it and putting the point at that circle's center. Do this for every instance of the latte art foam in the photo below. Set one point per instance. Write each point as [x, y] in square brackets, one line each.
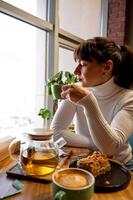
[72, 179]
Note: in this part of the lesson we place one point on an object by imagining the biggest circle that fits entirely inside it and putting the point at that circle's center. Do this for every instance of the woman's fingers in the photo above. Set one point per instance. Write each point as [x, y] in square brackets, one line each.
[66, 87]
[66, 93]
[66, 90]
[73, 92]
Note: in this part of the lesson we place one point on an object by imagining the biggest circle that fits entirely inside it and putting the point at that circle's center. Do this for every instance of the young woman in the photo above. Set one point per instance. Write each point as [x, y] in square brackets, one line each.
[102, 102]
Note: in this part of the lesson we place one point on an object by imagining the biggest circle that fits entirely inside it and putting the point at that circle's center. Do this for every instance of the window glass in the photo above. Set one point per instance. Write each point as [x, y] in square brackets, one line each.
[83, 19]
[66, 60]
[22, 73]
[35, 7]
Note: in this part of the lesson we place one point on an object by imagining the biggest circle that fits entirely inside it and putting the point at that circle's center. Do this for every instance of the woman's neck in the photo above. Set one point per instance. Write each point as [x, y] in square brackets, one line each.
[106, 89]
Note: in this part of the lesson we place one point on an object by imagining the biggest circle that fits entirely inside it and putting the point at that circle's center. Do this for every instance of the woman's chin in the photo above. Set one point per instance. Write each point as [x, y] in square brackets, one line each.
[82, 84]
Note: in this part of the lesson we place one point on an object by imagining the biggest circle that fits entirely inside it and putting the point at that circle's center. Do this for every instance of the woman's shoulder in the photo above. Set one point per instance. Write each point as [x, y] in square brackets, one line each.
[126, 98]
[126, 94]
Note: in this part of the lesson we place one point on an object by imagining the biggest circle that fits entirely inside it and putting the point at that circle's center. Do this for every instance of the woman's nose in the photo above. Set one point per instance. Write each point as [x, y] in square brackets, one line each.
[77, 70]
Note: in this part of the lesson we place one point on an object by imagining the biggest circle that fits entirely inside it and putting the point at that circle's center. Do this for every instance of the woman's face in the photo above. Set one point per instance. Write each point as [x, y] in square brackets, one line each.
[92, 73]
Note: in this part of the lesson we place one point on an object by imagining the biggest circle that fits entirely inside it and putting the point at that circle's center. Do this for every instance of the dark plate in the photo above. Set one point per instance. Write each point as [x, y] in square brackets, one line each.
[117, 179]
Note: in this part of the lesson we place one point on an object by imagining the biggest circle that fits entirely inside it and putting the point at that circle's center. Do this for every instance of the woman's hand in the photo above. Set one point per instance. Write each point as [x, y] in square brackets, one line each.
[73, 92]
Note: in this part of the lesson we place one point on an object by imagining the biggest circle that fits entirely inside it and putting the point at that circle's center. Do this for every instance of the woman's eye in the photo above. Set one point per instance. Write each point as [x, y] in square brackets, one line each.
[84, 65]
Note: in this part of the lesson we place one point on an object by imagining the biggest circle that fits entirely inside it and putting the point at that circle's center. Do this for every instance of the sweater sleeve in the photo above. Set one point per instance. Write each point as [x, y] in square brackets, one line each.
[61, 121]
[108, 137]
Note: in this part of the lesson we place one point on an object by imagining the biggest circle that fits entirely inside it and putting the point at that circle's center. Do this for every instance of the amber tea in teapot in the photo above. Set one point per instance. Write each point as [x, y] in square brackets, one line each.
[38, 162]
[39, 154]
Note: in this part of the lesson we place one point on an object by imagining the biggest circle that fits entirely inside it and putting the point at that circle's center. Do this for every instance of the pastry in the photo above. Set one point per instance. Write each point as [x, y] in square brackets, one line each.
[97, 163]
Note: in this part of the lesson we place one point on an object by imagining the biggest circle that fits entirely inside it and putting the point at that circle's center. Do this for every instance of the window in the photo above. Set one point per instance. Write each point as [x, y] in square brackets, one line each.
[33, 46]
[22, 74]
[66, 61]
[35, 7]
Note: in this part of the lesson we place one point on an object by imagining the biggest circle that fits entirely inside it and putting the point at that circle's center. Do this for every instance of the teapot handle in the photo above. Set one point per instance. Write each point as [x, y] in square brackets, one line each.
[14, 149]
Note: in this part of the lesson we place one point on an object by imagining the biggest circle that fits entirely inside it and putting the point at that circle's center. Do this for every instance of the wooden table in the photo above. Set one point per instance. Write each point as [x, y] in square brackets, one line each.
[39, 191]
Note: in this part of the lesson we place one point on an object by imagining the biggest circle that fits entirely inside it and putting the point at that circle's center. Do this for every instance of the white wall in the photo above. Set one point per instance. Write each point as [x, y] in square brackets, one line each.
[81, 17]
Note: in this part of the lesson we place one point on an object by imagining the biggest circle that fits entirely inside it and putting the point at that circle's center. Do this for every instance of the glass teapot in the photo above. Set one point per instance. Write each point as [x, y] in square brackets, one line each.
[38, 152]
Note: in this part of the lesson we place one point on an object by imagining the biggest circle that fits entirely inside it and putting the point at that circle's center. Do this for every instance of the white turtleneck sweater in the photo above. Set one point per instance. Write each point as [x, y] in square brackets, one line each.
[103, 121]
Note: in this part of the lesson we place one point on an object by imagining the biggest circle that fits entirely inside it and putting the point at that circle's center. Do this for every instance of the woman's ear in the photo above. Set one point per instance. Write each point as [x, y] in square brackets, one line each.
[108, 66]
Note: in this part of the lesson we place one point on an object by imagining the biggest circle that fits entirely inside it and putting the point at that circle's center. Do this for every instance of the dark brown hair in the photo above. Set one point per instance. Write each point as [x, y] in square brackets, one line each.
[102, 49]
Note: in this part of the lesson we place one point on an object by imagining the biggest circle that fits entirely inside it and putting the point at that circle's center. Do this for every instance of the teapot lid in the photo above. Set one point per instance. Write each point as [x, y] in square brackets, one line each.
[40, 134]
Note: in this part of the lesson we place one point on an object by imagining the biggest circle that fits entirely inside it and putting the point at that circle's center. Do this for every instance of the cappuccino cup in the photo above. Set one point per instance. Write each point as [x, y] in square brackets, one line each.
[72, 183]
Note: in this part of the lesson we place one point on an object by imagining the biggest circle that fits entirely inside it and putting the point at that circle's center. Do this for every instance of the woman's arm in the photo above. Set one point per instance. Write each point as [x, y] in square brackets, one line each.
[61, 121]
[108, 137]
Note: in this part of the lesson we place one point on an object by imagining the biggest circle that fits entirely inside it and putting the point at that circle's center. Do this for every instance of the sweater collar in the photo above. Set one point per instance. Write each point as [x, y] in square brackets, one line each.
[109, 88]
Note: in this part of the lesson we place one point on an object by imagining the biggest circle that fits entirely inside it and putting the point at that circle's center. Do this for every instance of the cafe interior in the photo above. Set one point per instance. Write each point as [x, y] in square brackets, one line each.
[37, 42]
